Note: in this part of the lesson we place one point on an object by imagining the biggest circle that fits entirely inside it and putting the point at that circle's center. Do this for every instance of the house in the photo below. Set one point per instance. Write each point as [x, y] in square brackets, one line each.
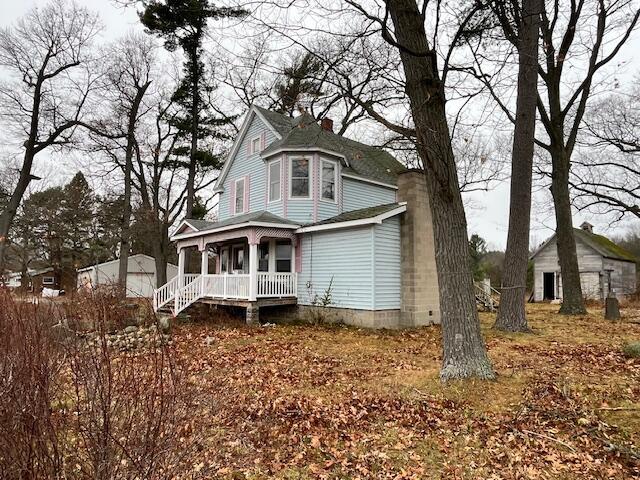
[602, 265]
[141, 275]
[313, 222]
[34, 281]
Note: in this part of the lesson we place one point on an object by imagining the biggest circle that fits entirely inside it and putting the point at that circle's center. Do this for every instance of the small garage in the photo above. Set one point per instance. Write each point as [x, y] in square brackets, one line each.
[141, 275]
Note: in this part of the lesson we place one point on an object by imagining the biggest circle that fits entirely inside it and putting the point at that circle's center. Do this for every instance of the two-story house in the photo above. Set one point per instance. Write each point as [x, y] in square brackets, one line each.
[311, 219]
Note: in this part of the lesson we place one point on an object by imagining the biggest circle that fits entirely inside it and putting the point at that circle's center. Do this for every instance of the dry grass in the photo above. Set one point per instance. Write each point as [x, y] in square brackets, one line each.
[335, 402]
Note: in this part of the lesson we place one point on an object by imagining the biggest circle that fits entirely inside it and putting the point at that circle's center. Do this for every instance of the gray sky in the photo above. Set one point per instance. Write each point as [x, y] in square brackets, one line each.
[489, 214]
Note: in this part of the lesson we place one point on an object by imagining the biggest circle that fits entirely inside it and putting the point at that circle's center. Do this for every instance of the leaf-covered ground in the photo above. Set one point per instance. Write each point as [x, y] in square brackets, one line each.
[302, 402]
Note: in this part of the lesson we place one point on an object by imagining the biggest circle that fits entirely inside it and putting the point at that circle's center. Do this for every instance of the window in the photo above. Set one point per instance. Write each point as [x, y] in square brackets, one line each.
[263, 257]
[239, 197]
[48, 280]
[328, 181]
[300, 173]
[274, 181]
[283, 257]
[238, 259]
[256, 143]
[224, 260]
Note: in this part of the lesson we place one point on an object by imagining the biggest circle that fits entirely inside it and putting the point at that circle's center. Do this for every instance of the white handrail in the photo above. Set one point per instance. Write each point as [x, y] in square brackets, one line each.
[188, 294]
[164, 294]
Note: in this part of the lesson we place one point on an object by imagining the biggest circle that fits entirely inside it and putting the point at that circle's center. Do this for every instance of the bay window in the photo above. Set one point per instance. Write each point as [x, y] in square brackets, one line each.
[300, 175]
[328, 181]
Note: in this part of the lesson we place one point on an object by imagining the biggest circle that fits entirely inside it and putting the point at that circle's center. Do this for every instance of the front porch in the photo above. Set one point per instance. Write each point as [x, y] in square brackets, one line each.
[253, 265]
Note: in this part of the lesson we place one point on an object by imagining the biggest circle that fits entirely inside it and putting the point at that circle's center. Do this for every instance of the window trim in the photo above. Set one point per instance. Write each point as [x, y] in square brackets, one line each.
[235, 196]
[223, 250]
[335, 181]
[310, 183]
[269, 165]
[51, 282]
[234, 248]
[290, 259]
[252, 141]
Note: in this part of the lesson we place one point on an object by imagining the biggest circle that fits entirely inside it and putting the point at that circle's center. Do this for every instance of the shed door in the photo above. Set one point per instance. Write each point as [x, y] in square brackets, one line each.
[140, 284]
[549, 285]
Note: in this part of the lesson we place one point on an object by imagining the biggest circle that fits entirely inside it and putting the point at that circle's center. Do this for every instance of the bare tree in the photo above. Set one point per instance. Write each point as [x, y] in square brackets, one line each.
[512, 315]
[129, 77]
[579, 40]
[605, 177]
[42, 102]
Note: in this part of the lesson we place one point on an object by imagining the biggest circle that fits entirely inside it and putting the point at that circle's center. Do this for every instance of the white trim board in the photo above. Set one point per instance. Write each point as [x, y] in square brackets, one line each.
[368, 180]
[378, 219]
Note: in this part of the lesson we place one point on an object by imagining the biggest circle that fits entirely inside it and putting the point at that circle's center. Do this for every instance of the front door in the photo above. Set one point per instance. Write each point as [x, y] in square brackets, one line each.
[549, 285]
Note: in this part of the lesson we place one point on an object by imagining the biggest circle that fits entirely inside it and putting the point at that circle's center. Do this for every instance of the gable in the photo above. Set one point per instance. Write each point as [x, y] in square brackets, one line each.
[244, 163]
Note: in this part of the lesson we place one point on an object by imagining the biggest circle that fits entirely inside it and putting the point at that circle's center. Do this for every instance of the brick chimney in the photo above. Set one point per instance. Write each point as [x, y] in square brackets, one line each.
[326, 124]
[420, 300]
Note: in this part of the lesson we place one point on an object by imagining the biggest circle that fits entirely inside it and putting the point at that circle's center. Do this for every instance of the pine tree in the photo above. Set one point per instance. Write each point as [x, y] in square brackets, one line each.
[183, 24]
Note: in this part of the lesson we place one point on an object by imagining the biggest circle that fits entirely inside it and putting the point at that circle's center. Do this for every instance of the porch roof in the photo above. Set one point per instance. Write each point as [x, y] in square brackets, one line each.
[260, 218]
[363, 216]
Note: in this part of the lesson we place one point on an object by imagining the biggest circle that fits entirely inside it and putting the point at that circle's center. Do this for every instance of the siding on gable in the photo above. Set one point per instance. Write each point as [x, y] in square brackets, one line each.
[357, 194]
[346, 255]
[387, 266]
[247, 164]
[547, 261]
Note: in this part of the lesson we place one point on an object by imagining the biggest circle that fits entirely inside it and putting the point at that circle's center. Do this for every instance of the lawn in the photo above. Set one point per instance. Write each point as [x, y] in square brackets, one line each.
[301, 402]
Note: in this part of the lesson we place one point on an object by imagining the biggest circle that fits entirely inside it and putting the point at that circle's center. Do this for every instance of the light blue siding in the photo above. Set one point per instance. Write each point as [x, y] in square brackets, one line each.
[252, 165]
[346, 255]
[387, 269]
[357, 194]
[300, 210]
[327, 210]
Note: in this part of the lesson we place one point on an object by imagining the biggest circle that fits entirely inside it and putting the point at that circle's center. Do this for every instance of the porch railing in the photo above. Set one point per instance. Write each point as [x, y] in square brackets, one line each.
[235, 287]
[165, 293]
[277, 285]
[226, 286]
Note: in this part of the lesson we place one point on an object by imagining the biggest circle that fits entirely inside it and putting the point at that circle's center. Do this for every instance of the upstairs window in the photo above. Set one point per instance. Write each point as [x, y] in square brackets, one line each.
[328, 181]
[239, 196]
[274, 181]
[300, 173]
[256, 143]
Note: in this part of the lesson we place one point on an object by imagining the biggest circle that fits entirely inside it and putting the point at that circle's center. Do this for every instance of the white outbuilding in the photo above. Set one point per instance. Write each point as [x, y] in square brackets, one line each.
[141, 275]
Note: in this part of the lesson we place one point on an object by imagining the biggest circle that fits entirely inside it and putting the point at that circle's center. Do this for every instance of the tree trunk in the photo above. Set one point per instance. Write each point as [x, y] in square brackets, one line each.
[511, 315]
[572, 300]
[463, 347]
[9, 213]
[195, 107]
[161, 252]
[125, 226]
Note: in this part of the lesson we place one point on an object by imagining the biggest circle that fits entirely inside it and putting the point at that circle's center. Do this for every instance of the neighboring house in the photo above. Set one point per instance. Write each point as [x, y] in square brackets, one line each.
[35, 280]
[312, 219]
[141, 275]
[599, 259]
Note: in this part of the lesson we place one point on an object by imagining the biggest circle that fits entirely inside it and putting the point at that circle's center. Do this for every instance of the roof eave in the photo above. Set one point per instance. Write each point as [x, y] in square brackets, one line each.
[377, 219]
[200, 233]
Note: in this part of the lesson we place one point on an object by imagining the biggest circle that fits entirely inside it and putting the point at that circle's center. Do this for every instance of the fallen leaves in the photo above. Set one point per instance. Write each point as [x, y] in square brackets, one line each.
[332, 403]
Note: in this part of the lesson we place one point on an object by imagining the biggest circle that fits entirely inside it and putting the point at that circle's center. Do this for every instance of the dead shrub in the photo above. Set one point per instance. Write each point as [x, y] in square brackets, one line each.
[79, 409]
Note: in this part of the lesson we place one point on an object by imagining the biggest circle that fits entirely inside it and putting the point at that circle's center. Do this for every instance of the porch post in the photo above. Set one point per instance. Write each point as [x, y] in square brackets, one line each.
[181, 265]
[204, 262]
[253, 271]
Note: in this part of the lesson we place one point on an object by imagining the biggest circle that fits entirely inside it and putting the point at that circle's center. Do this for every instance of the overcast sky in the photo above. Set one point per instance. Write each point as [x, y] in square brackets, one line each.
[488, 214]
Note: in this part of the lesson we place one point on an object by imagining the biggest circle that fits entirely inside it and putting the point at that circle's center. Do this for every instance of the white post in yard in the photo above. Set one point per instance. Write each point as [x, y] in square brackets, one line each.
[253, 272]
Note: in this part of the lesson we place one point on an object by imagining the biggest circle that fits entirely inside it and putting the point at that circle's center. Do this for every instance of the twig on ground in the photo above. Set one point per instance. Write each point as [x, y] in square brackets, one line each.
[535, 434]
